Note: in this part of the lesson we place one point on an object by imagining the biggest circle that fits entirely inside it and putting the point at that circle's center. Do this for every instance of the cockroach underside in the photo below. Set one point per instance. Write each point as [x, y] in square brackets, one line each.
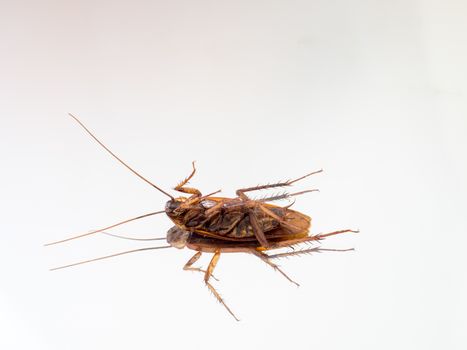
[209, 224]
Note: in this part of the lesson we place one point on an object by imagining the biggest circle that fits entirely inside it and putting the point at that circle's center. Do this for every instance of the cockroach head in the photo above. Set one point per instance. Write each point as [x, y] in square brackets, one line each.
[177, 237]
[173, 204]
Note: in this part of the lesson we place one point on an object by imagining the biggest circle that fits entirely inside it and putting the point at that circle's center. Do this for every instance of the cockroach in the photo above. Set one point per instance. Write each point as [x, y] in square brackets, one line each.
[211, 224]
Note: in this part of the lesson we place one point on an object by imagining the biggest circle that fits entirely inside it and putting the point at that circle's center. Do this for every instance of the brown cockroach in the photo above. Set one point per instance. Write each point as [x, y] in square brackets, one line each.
[209, 224]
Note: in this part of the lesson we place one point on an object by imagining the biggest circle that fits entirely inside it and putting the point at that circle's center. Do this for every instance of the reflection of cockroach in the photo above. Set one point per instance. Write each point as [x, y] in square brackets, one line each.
[226, 225]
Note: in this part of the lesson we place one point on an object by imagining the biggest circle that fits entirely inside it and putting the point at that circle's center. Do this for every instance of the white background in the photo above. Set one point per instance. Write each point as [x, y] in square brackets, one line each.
[374, 92]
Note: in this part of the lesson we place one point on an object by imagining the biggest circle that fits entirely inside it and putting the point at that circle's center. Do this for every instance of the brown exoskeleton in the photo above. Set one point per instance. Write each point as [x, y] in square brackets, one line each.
[225, 225]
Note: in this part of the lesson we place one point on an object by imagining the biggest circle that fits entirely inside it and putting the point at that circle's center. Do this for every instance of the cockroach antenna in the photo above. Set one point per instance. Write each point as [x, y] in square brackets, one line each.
[109, 256]
[105, 228]
[117, 158]
[134, 238]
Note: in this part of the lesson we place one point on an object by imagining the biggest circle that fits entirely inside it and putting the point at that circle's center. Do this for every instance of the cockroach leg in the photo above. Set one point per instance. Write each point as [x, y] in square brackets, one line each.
[193, 191]
[211, 266]
[188, 178]
[285, 196]
[215, 208]
[324, 235]
[195, 258]
[242, 195]
[266, 258]
[259, 234]
[207, 276]
[316, 237]
[269, 212]
[307, 251]
[180, 187]
[290, 182]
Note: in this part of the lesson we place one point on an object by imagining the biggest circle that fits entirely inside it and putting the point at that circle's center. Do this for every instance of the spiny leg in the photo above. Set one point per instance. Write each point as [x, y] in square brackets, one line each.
[266, 258]
[180, 187]
[316, 237]
[256, 204]
[208, 274]
[324, 235]
[284, 196]
[195, 258]
[241, 192]
[307, 251]
[185, 181]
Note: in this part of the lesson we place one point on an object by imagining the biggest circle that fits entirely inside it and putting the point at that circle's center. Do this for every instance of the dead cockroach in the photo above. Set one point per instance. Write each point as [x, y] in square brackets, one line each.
[209, 224]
